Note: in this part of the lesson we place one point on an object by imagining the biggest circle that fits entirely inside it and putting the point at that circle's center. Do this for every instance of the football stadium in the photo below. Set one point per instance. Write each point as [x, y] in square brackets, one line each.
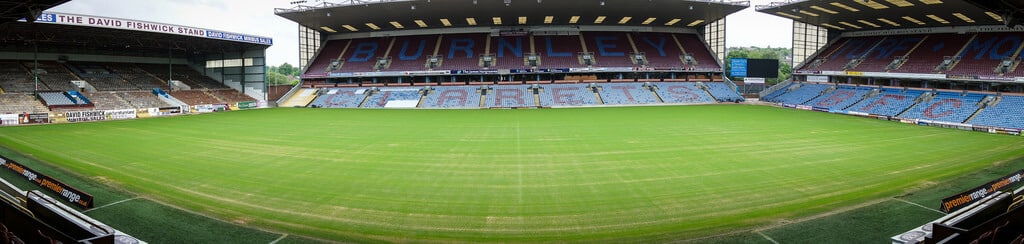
[517, 121]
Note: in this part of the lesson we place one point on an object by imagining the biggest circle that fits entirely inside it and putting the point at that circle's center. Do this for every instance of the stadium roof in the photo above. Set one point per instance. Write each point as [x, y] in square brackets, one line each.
[858, 15]
[383, 15]
[15, 10]
[83, 34]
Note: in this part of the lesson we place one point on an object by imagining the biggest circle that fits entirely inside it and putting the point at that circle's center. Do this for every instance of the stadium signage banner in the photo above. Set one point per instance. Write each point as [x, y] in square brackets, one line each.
[120, 114]
[28, 118]
[753, 80]
[135, 25]
[85, 116]
[967, 197]
[817, 78]
[247, 105]
[164, 111]
[72, 195]
[8, 119]
[209, 108]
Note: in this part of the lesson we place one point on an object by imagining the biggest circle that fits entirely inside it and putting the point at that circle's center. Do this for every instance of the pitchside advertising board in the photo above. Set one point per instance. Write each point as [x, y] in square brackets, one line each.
[8, 119]
[958, 201]
[134, 25]
[27, 118]
[66, 192]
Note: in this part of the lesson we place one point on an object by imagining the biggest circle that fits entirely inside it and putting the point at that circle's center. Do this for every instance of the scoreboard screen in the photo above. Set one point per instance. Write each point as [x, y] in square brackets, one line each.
[760, 68]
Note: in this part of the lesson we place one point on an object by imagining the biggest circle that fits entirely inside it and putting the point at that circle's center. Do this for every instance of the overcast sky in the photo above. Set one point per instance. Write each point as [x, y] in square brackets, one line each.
[256, 17]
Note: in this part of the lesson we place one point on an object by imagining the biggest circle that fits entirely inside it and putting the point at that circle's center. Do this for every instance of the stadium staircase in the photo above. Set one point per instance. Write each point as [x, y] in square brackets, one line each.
[859, 60]
[369, 93]
[960, 53]
[1016, 60]
[597, 95]
[653, 92]
[925, 97]
[424, 93]
[989, 101]
[341, 56]
[907, 55]
[706, 89]
[536, 95]
[301, 98]
[873, 93]
[483, 97]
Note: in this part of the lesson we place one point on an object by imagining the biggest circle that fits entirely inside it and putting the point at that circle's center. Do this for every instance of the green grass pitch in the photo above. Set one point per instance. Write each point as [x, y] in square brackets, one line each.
[637, 174]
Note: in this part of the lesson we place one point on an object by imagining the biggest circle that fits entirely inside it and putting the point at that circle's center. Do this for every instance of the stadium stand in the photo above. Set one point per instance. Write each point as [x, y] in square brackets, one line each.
[141, 99]
[1008, 113]
[55, 76]
[888, 49]
[195, 97]
[841, 98]
[560, 51]
[100, 77]
[850, 50]
[453, 97]
[393, 97]
[230, 96]
[185, 74]
[946, 106]
[932, 51]
[14, 103]
[510, 96]
[331, 52]
[411, 52]
[626, 94]
[509, 53]
[462, 51]
[661, 50]
[553, 51]
[964, 54]
[108, 101]
[15, 78]
[56, 99]
[567, 95]
[612, 49]
[140, 78]
[683, 93]
[340, 98]
[985, 52]
[361, 54]
[723, 93]
[804, 93]
[782, 90]
[696, 48]
[890, 102]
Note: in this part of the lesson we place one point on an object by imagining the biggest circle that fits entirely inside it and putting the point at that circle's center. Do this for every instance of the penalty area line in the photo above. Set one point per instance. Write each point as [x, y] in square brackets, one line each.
[919, 205]
[279, 239]
[766, 237]
[111, 204]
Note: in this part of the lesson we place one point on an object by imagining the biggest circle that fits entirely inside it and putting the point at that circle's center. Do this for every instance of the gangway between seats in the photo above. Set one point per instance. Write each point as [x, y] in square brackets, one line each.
[302, 98]
[924, 97]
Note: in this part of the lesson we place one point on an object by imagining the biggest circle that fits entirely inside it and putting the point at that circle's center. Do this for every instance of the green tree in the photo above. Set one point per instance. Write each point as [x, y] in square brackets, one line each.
[288, 69]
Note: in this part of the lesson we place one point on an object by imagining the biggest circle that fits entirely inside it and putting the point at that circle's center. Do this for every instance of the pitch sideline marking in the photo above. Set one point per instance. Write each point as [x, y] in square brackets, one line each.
[111, 204]
[279, 239]
[919, 205]
[766, 237]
